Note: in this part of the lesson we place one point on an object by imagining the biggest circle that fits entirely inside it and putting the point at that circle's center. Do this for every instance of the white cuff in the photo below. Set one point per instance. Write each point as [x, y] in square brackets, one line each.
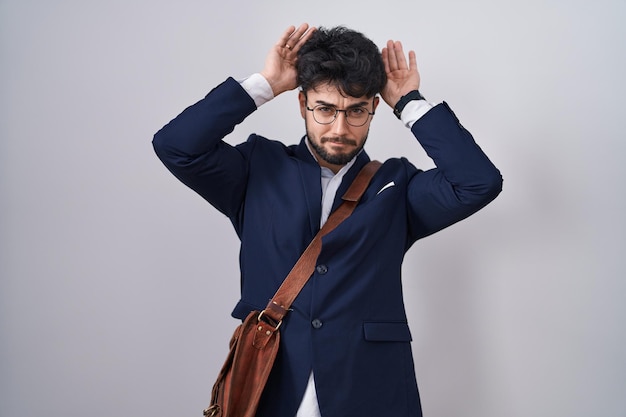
[258, 88]
[413, 110]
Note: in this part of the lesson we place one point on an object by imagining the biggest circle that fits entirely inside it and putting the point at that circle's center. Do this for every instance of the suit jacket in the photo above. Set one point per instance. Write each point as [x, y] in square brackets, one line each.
[348, 324]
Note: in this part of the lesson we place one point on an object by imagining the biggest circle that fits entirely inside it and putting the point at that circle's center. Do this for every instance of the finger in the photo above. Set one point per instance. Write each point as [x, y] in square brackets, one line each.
[285, 36]
[400, 58]
[412, 61]
[296, 36]
[391, 56]
[385, 55]
[304, 38]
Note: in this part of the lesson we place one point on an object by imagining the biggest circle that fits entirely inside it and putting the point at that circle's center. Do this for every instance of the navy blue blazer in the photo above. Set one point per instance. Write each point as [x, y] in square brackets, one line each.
[348, 324]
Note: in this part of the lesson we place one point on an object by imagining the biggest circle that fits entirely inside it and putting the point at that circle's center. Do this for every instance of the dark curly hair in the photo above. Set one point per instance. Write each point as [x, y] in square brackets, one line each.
[343, 58]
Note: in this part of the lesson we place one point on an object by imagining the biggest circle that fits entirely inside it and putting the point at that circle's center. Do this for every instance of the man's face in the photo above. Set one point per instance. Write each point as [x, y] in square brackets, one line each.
[335, 144]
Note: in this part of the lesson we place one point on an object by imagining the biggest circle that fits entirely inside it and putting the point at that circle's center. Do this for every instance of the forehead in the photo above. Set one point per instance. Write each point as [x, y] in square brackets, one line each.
[330, 94]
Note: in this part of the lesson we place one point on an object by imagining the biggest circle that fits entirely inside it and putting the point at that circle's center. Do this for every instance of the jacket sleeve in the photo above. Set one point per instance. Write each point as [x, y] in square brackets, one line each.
[191, 146]
[463, 182]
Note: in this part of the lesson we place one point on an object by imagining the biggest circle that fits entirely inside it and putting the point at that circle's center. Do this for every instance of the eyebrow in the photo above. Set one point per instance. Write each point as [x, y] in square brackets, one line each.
[351, 106]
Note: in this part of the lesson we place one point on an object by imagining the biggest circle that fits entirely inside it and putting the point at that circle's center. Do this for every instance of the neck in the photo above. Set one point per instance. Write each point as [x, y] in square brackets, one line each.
[333, 167]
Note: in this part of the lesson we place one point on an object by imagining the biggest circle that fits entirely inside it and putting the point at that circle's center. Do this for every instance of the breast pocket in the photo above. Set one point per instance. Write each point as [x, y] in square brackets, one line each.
[387, 332]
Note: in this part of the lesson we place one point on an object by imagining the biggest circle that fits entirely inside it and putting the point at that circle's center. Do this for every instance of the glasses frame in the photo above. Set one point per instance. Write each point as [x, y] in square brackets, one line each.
[344, 111]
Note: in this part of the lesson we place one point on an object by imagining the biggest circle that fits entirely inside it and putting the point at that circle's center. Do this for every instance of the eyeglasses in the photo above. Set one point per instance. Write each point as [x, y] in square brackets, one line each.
[325, 115]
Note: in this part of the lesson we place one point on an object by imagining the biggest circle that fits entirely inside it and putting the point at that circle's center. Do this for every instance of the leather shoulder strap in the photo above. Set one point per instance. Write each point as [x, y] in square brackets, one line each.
[279, 305]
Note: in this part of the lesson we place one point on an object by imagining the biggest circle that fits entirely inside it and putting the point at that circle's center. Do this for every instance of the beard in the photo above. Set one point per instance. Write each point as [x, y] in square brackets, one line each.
[340, 158]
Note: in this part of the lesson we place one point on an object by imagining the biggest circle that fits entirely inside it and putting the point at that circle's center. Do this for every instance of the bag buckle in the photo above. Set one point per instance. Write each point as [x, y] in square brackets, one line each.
[276, 326]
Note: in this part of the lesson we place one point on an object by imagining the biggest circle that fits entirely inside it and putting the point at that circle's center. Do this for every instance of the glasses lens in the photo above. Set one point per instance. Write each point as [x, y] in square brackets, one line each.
[324, 114]
[357, 116]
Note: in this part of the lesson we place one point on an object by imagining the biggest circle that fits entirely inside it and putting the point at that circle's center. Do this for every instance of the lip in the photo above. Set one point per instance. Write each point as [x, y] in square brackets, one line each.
[341, 144]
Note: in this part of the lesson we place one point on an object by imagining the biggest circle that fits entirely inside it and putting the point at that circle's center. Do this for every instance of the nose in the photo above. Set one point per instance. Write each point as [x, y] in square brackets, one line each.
[340, 125]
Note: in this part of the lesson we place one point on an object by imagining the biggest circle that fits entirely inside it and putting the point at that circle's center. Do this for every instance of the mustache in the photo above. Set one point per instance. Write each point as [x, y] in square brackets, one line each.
[338, 139]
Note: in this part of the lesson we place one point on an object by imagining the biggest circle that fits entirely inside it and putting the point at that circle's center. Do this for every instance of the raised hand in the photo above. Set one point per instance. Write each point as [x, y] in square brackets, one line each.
[280, 63]
[400, 78]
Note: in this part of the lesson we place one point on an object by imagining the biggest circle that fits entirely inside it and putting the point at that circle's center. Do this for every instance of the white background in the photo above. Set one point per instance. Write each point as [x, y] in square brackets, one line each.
[116, 281]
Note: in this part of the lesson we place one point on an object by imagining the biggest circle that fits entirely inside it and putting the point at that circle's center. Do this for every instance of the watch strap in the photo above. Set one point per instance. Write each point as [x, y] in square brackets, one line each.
[411, 95]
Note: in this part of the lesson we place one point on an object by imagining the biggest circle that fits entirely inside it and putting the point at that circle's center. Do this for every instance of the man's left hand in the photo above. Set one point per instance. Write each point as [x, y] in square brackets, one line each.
[401, 78]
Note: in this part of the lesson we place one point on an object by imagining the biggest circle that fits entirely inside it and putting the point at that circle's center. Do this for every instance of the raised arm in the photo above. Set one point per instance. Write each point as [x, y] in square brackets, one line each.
[464, 180]
[192, 146]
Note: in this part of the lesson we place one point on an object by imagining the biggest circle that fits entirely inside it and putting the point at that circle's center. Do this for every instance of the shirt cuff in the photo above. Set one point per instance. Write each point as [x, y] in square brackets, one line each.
[258, 88]
[413, 111]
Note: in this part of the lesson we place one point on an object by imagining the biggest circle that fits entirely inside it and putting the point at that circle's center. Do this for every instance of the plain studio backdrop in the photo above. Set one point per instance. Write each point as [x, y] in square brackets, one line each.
[117, 282]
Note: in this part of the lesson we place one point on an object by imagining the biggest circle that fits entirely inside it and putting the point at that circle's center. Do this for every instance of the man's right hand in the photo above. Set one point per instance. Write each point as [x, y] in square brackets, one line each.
[280, 63]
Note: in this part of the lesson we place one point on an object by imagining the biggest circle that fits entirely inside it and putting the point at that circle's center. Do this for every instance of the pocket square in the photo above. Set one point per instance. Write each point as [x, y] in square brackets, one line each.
[388, 185]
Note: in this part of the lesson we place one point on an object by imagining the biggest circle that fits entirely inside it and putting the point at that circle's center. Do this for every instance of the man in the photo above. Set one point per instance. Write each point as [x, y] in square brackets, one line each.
[345, 347]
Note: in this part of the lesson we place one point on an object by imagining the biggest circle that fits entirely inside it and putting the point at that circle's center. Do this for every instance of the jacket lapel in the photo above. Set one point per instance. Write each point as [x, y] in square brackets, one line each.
[310, 174]
[361, 160]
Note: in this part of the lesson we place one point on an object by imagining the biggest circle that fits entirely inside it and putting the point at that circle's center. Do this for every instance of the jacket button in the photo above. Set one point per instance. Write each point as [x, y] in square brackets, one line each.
[317, 323]
[321, 269]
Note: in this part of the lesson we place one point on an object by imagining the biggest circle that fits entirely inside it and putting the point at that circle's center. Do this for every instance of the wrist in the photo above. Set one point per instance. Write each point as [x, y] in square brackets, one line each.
[258, 88]
[402, 102]
[278, 84]
[271, 82]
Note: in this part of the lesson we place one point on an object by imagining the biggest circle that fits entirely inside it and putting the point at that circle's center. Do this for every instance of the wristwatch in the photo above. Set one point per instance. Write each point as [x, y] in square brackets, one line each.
[411, 95]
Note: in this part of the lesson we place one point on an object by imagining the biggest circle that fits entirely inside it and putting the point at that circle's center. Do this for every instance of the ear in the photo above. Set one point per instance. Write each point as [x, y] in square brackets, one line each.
[376, 101]
[302, 100]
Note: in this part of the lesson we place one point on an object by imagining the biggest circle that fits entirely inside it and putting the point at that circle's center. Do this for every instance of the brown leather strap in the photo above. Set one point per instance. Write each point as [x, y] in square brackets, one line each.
[279, 305]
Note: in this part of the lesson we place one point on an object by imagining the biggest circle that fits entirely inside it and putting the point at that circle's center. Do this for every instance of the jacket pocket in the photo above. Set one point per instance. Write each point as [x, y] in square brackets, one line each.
[387, 332]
